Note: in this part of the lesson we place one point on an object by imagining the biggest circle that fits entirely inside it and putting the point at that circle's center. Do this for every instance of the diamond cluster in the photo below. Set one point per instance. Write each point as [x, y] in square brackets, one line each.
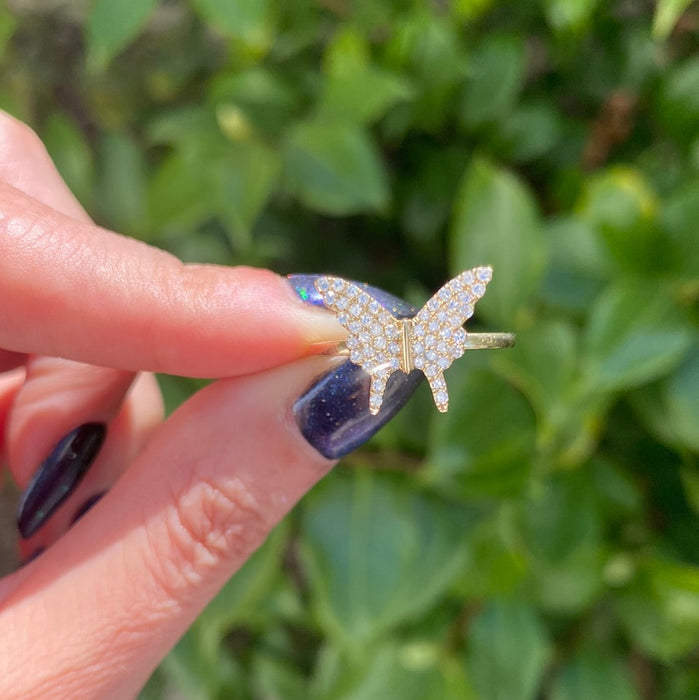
[437, 338]
[374, 335]
[377, 339]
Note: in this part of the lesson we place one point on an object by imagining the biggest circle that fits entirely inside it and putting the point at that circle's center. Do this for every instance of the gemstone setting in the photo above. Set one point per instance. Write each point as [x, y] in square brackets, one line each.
[382, 344]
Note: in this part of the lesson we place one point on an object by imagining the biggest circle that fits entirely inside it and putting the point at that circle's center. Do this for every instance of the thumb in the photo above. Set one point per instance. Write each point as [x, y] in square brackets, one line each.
[116, 592]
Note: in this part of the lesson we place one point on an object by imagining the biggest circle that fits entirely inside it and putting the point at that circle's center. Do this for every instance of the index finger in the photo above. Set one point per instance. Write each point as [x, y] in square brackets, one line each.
[71, 289]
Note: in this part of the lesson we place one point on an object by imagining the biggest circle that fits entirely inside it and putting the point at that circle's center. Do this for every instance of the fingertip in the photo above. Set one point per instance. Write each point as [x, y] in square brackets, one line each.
[319, 326]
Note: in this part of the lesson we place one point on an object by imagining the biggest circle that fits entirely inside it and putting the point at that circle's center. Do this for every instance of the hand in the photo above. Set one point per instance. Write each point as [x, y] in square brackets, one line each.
[189, 498]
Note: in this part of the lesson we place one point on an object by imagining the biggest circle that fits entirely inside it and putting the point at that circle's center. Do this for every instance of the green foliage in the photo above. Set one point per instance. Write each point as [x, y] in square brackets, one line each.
[666, 15]
[495, 220]
[508, 651]
[361, 592]
[111, 25]
[591, 675]
[541, 539]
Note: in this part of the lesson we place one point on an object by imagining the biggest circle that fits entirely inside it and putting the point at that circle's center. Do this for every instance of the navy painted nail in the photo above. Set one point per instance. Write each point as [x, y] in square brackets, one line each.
[58, 475]
[333, 415]
[93, 500]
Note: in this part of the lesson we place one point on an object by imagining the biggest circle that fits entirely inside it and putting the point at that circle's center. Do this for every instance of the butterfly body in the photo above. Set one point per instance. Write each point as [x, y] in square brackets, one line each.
[430, 341]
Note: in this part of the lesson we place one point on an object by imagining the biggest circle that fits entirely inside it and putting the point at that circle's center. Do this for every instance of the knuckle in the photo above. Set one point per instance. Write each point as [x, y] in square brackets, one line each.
[211, 525]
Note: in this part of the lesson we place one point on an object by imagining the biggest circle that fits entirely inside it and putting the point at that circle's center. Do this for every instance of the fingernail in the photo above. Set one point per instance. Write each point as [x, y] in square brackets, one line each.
[321, 326]
[333, 415]
[33, 556]
[58, 475]
[93, 500]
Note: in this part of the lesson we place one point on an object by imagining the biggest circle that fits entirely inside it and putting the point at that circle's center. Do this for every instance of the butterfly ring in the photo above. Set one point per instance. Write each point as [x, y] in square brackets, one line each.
[430, 341]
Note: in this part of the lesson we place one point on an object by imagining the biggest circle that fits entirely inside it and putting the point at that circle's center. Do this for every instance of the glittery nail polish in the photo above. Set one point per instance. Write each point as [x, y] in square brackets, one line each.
[85, 507]
[333, 414]
[58, 475]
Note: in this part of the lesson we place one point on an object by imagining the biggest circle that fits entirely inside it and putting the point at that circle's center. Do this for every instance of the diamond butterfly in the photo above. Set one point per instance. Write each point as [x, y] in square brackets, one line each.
[430, 341]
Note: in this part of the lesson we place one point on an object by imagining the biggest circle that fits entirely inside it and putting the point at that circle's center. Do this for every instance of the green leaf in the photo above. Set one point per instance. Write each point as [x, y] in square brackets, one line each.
[530, 131]
[508, 651]
[378, 553]
[618, 490]
[561, 516]
[678, 102]
[569, 15]
[247, 175]
[123, 183]
[361, 97]
[335, 169]
[496, 222]
[8, 25]
[409, 671]
[667, 14]
[247, 20]
[427, 193]
[496, 76]
[428, 50]
[176, 127]
[569, 586]
[678, 217]
[562, 529]
[580, 264]
[348, 53]
[72, 155]
[660, 610]
[671, 407]
[622, 208]
[196, 674]
[592, 675]
[112, 25]
[183, 192]
[470, 10]
[635, 334]
[483, 445]
[689, 474]
[495, 563]
[274, 677]
[267, 101]
[208, 177]
[542, 364]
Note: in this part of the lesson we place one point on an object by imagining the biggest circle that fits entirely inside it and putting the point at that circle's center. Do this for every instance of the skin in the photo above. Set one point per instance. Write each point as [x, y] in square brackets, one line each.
[190, 498]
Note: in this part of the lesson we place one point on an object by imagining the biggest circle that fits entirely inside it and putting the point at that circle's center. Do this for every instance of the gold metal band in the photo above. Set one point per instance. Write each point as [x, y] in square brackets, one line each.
[488, 341]
[474, 341]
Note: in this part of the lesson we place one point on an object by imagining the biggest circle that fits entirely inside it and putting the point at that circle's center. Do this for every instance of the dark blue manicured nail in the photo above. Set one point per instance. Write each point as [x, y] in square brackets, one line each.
[333, 415]
[86, 506]
[58, 475]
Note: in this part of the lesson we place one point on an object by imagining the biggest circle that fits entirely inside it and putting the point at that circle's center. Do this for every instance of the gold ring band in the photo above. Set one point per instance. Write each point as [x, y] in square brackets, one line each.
[474, 341]
[488, 341]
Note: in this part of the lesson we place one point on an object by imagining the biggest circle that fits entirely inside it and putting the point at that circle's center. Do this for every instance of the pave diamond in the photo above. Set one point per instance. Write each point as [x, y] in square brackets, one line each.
[484, 274]
[382, 344]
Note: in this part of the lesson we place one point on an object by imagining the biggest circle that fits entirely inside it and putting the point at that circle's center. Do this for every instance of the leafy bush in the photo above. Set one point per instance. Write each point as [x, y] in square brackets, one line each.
[541, 538]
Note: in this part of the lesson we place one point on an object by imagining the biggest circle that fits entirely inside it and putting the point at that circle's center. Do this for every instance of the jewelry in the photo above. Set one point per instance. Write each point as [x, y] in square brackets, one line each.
[382, 344]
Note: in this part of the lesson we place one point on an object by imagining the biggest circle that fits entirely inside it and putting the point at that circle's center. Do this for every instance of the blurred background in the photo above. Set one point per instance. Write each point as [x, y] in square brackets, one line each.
[541, 539]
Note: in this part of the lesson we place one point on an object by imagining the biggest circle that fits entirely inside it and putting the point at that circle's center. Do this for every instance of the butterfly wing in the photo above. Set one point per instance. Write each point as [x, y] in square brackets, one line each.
[437, 338]
[374, 335]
